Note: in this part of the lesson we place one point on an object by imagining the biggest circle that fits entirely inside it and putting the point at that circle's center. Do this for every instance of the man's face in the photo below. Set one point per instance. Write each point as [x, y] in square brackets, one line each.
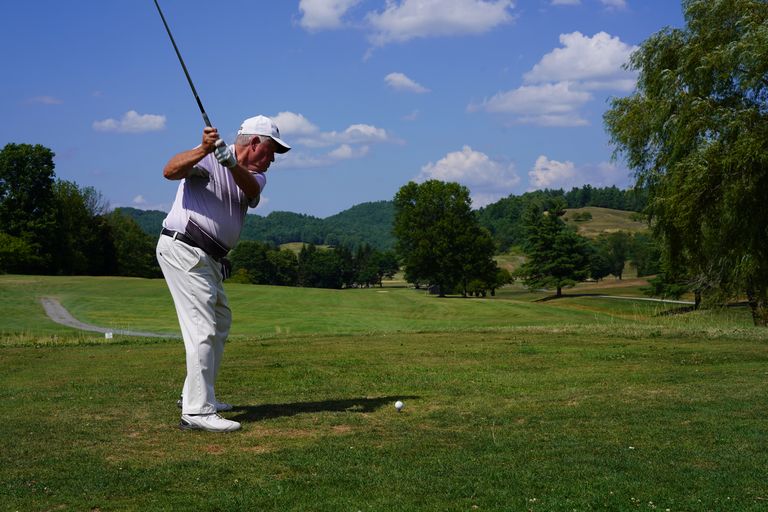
[259, 155]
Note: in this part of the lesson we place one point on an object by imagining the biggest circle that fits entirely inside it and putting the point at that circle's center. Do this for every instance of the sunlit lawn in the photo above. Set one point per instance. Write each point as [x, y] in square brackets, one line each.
[577, 404]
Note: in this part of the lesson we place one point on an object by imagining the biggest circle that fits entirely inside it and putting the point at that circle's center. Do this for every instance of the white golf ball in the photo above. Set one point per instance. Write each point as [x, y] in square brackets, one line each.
[399, 405]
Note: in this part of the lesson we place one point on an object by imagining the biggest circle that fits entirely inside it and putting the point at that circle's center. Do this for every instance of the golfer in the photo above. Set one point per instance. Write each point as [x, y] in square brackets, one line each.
[217, 185]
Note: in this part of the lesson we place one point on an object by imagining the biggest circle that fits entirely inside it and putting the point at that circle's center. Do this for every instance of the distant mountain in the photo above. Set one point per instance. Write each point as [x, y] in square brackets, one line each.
[150, 221]
[369, 223]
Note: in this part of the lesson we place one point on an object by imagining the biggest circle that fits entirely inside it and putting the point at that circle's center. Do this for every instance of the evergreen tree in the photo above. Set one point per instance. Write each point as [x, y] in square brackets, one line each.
[557, 257]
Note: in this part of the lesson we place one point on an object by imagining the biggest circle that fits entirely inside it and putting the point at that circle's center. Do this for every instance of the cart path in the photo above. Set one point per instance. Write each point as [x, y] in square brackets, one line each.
[60, 315]
[649, 299]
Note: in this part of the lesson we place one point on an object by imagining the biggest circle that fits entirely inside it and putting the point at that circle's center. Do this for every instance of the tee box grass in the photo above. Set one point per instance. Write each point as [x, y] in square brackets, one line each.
[568, 406]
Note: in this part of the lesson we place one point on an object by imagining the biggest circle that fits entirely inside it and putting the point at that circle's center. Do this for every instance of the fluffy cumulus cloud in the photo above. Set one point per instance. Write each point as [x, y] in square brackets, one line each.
[354, 134]
[312, 145]
[139, 200]
[488, 180]
[404, 20]
[346, 152]
[562, 82]
[548, 173]
[131, 122]
[324, 14]
[290, 123]
[589, 62]
[400, 82]
[543, 105]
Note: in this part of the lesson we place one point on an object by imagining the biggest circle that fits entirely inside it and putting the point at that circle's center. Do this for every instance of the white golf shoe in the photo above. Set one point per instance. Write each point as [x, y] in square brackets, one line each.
[208, 422]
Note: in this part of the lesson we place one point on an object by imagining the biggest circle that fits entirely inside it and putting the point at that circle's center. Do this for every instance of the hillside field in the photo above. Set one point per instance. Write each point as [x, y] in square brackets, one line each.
[604, 220]
[584, 403]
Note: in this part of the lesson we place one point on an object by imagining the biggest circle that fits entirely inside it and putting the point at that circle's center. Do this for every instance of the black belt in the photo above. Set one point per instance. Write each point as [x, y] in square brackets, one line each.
[178, 235]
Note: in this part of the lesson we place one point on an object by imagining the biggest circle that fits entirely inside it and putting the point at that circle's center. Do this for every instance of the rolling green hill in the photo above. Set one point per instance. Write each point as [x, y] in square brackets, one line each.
[369, 223]
[604, 220]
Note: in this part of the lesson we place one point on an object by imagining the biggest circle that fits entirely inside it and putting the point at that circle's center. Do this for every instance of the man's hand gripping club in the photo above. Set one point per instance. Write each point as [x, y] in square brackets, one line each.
[212, 143]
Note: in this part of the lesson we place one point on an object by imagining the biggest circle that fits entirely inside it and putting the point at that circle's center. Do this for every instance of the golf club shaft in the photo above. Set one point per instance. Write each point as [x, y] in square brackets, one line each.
[184, 67]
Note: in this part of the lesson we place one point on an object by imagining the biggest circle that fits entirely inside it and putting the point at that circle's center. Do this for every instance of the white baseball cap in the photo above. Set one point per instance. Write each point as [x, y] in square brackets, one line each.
[262, 125]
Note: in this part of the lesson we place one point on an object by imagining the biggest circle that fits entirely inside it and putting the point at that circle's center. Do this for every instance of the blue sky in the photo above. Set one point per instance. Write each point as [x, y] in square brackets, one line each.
[502, 96]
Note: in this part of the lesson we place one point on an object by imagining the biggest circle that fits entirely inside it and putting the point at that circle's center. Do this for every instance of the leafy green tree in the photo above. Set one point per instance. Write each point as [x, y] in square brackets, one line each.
[134, 250]
[319, 269]
[614, 248]
[84, 243]
[645, 254]
[285, 267]
[696, 134]
[27, 208]
[557, 256]
[15, 254]
[252, 256]
[387, 265]
[599, 266]
[477, 263]
[439, 239]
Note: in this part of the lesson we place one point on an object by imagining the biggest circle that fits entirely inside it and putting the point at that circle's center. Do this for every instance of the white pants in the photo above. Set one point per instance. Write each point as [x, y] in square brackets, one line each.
[195, 282]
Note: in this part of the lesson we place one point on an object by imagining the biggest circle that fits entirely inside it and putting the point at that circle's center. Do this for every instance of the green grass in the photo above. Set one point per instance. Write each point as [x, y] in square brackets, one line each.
[604, 220]
[577, 404]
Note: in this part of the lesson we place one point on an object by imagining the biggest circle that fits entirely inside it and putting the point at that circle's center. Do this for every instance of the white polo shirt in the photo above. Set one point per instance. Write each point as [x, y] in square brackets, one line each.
[212, 199]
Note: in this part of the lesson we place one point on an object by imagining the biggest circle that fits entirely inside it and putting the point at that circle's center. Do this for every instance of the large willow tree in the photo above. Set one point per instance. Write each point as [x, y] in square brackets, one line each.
[695, 132]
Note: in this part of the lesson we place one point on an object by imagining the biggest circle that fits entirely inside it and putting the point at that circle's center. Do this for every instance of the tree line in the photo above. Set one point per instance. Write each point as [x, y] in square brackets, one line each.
[335, 267]
[371, 223]
[504, 218]
[53, 226]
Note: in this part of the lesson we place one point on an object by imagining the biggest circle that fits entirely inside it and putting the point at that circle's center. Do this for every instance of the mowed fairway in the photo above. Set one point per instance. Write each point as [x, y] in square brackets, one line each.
[590, 404]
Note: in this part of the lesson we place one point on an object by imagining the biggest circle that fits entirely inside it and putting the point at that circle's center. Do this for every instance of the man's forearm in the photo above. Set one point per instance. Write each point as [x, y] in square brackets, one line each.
[245, 181]
[178, 167]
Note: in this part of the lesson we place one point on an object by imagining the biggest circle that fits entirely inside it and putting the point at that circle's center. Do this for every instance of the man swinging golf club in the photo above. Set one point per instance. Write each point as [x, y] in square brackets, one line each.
[217, 185]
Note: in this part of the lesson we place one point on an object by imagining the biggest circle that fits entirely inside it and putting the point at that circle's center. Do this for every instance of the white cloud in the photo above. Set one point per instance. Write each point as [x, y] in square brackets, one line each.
[618, 4]
[132, 122]
[290, 123]
[592, 62]
[354, 134]
[403, 20]
[547, 173]
[346, 152]
[324, 14]
[400, 82]
[45, 100]
[487, 179]
[139, 200]
[543, 105]
[309, 140]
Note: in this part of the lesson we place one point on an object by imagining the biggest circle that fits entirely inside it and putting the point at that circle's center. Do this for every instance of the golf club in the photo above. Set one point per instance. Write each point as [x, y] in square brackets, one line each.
[184, 67]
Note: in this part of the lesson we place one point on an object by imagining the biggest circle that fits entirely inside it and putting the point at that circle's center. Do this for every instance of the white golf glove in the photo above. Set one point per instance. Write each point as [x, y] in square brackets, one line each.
[224, 155]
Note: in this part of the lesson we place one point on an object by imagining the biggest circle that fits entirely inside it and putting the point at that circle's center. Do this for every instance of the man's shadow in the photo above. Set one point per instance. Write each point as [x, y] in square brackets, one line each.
[249, 413]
